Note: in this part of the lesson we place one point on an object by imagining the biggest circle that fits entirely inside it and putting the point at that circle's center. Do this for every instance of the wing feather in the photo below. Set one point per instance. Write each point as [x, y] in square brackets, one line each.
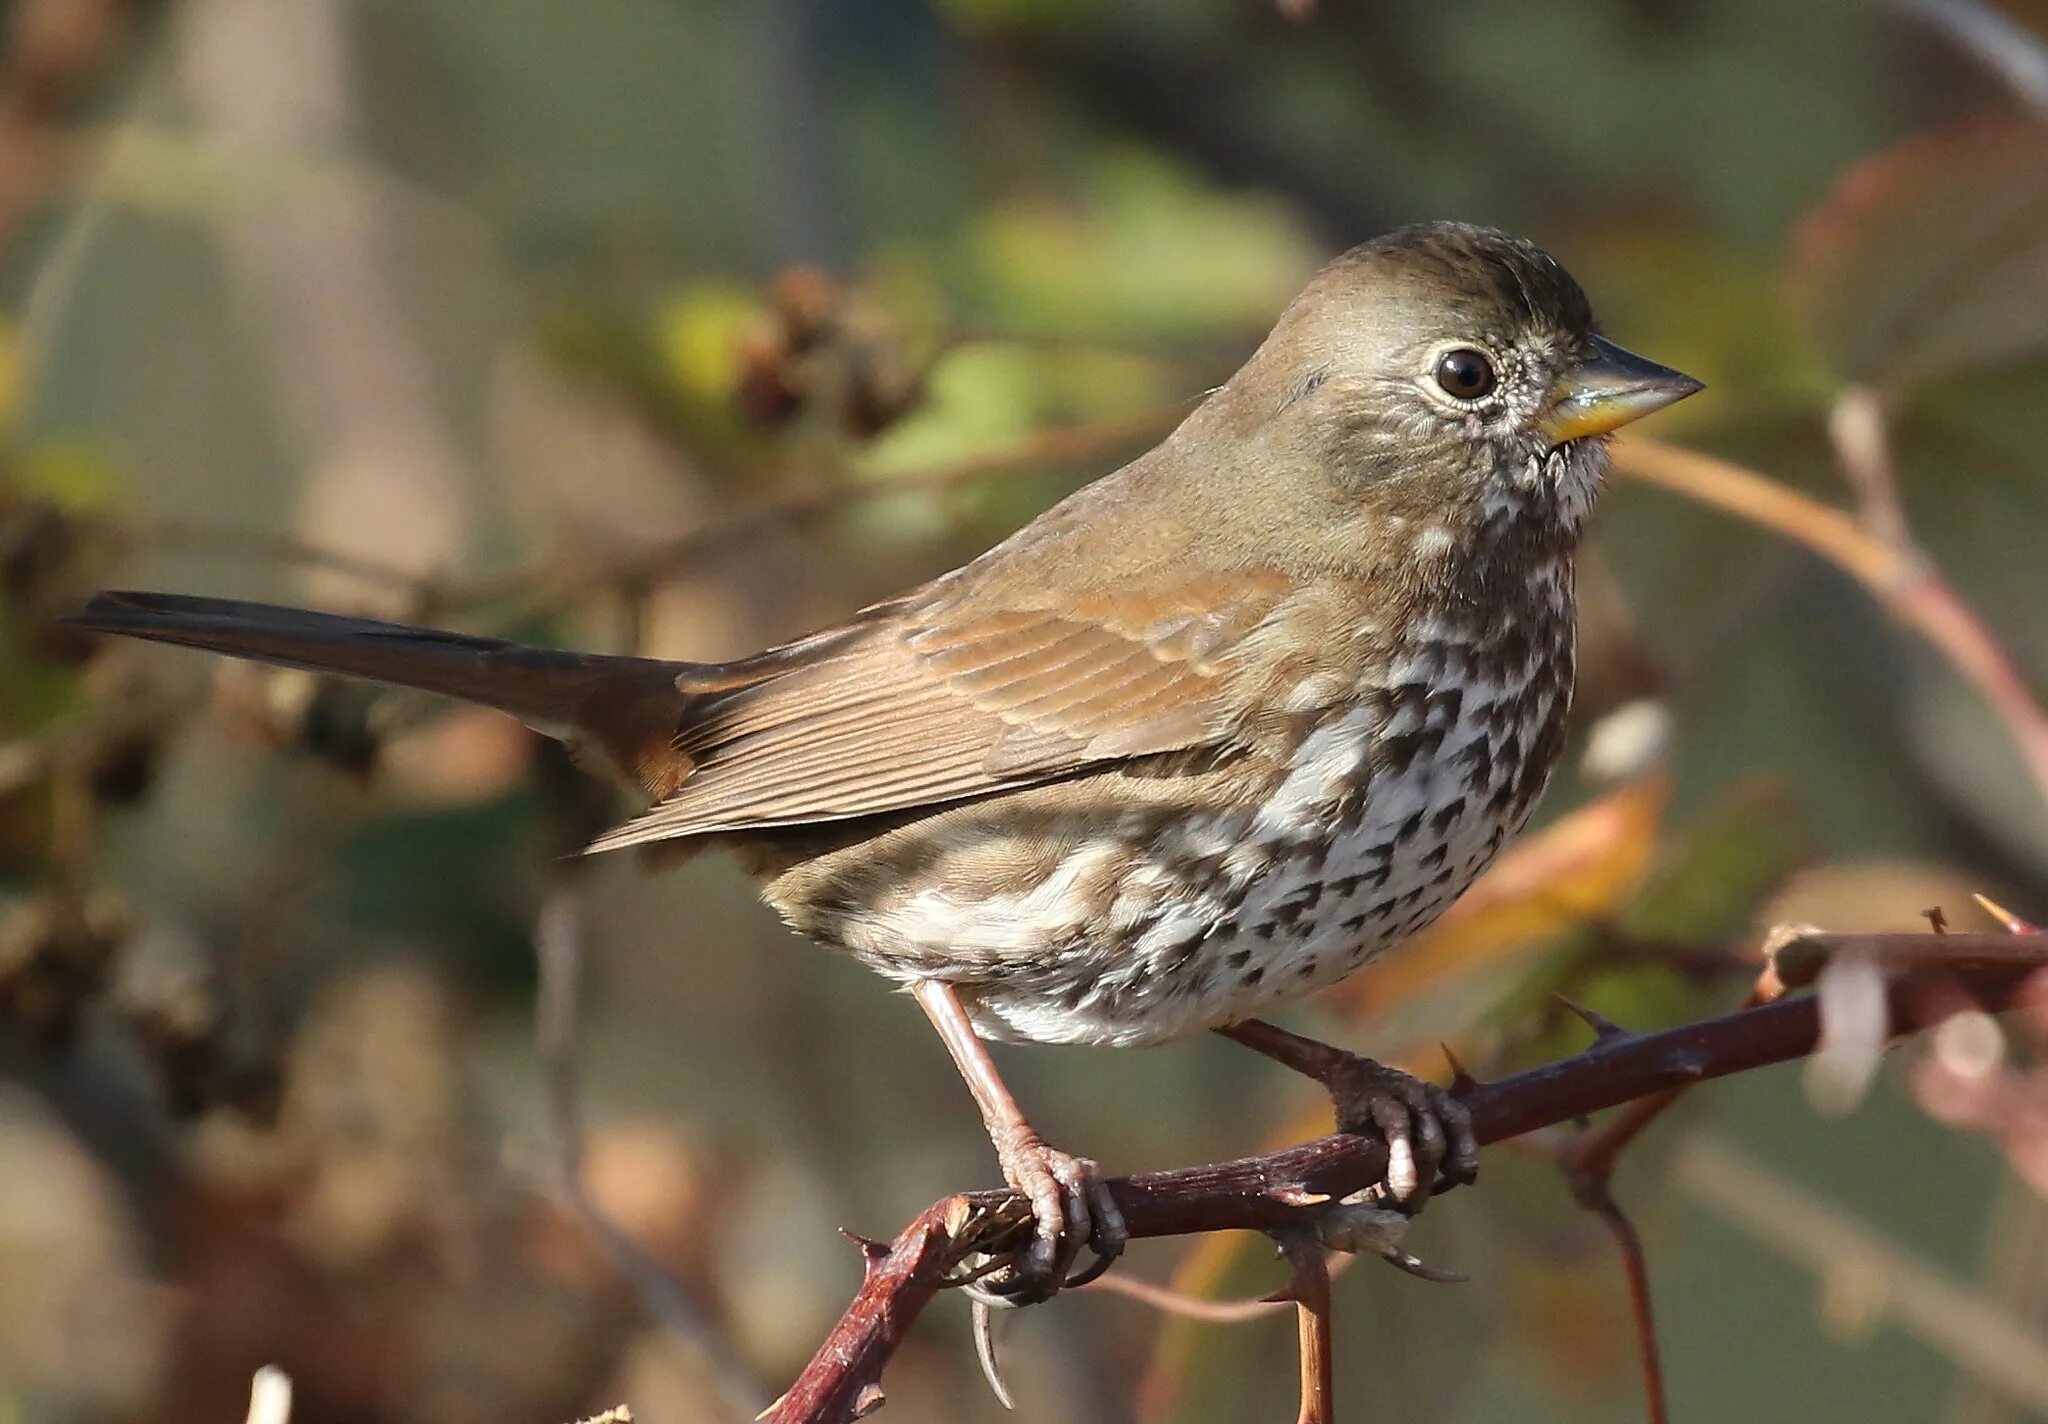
[930, 703]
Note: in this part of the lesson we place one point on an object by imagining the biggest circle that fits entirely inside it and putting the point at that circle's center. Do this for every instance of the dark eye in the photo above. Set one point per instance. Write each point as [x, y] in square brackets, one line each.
[1464, 373]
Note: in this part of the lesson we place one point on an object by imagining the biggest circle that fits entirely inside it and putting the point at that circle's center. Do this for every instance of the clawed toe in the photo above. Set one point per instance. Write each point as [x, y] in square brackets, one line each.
[1428, 1131]
[1071, 1208]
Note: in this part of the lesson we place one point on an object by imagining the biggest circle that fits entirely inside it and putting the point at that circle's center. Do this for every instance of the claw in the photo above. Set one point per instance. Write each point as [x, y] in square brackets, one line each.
[1111, 1233]
[985, 1351]
[1401, 1178]
[1070, 1209]
[1426, 1128]
[1359, 1225]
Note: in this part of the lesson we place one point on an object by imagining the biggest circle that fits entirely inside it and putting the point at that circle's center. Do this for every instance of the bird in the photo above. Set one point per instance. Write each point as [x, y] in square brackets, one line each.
[1202, 738]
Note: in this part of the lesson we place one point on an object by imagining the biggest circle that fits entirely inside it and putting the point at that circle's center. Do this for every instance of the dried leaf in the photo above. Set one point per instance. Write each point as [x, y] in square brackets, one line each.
[1931, 257]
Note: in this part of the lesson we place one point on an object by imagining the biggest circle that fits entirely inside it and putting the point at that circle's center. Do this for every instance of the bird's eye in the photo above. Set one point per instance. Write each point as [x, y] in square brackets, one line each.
[1464, 373]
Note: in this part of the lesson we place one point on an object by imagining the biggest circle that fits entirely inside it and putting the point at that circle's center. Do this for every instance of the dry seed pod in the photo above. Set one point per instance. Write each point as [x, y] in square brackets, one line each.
[823, 349]
[55, 955]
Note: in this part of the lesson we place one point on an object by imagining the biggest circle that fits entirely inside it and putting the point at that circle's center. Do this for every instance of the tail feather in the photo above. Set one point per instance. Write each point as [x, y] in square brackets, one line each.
[625, 704]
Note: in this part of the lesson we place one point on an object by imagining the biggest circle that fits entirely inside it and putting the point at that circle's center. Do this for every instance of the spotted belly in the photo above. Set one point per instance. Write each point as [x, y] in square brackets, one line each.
[1276, 920]
[1128, 910]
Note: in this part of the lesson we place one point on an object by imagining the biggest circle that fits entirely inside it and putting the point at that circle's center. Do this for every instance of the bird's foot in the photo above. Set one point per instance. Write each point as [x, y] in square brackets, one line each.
[1362, 1225]
[1427, 1129]
[1070, 1208]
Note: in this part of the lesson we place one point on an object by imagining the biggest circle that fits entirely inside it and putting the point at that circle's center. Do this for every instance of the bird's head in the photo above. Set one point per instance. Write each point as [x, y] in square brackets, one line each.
[1452, 367]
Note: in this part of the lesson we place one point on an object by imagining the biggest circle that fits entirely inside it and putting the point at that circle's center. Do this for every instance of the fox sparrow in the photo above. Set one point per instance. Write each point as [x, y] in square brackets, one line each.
[1199, 740]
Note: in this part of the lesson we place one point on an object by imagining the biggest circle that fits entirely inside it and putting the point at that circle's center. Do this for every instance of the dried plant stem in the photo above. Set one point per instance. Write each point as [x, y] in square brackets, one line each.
[1599, 1200]
[1309, 1289]
[1200, 1309]
[1046, 449]
[1906, 585]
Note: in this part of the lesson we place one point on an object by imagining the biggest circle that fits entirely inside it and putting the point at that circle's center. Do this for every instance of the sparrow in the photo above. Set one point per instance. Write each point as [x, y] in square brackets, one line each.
[1201, 739]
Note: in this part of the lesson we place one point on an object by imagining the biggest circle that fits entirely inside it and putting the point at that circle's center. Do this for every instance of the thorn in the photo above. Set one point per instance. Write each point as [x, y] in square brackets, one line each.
[1936, 920]
[985, 1351]
[1603, 1028]
[872, 1254]
[1689, 1069]
[868, 1400]
[1299, 1196]
[1462, 1082]
[2013, 923]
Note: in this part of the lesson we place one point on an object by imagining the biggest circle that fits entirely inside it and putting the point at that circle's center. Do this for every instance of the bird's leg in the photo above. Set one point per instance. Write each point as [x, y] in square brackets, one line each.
[1068, 1200]
[1425, 1126]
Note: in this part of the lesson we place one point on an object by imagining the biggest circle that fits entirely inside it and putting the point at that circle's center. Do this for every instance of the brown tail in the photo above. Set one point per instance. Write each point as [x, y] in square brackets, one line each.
[628, 707]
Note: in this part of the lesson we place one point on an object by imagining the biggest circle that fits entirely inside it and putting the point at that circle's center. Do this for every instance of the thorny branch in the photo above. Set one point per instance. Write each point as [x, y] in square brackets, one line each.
[1278, 1192]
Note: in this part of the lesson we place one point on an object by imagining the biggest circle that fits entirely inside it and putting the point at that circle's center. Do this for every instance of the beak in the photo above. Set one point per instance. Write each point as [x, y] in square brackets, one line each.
[1609, 389]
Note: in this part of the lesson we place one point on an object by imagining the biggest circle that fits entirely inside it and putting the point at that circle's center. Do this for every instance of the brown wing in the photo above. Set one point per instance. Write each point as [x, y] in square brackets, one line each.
[921, 702]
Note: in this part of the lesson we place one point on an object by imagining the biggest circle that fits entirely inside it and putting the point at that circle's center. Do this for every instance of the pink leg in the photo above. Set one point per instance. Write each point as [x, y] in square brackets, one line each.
[1068, 1200]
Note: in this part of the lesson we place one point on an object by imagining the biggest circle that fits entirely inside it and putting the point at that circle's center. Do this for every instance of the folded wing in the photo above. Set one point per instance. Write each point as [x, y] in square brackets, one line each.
[923, 702]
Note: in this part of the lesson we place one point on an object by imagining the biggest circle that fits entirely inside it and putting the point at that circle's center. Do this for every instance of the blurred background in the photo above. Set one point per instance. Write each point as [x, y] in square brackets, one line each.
[681, 327]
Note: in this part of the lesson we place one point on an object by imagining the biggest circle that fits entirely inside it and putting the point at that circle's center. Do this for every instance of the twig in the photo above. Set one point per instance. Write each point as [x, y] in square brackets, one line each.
[1309, 1289]
[1266, 1193]
[1795, 958]
[1201, 1309]
[1995, 40]
[558, 944]
[1588, 1158]
[230, 541]
[1909, 589]
[1592, 1188]
[844, 1379]
[1856, 426]
[567, 580]
[1799, 957]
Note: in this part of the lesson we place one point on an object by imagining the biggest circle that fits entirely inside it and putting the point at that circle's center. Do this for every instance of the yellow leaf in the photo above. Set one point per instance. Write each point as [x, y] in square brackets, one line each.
[699, 338]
